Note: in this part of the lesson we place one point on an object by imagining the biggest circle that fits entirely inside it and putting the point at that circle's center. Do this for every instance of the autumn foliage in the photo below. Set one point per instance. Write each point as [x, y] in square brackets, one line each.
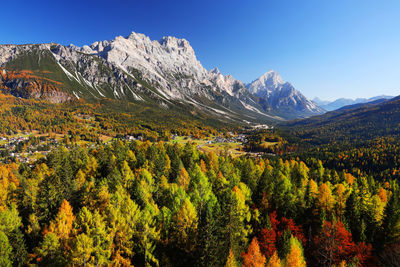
[274, 261]
[270, 236]
[335, 244]
[295, 256]
[253, 257]
[27, 83]
[148, 204]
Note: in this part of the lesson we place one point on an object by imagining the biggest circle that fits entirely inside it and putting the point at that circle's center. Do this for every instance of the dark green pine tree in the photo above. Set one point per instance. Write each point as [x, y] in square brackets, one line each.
[211, 242]
[19, 252]
[390, 233]
[353, 216]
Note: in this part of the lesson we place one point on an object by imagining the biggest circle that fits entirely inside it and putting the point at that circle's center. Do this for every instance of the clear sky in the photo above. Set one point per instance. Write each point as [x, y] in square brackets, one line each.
[325, 48]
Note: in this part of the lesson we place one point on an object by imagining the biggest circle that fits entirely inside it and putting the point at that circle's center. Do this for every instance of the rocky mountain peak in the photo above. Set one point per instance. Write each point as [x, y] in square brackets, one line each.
[215, 71]
[176, 45]
[280, 94]
[174, 42]
[266, 83]
[271, 74]
[137, 36]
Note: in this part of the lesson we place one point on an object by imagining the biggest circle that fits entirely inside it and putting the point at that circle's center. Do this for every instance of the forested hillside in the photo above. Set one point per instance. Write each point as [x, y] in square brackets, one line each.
[152, 204]
[85, 121]
[354, 124]
[360, 139]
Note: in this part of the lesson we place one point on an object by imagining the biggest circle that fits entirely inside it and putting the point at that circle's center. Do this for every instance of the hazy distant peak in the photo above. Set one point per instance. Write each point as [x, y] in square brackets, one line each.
[341, 102]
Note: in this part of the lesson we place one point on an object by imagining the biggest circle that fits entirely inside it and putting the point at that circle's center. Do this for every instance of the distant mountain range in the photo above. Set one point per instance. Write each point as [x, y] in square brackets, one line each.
[136, 69]
[341, 102]
[354, 123]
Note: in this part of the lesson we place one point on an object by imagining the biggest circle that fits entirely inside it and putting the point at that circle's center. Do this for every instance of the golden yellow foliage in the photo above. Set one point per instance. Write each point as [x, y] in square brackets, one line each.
[8, 184]
[203, 166]
[295, 256]
[183, 179]
[274, 261]
[62, 225]
[313, 188]
[231, 262]
[325, 198]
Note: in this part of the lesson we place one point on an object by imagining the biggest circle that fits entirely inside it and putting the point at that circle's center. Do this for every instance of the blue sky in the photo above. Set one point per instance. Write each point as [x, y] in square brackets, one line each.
[328, 49]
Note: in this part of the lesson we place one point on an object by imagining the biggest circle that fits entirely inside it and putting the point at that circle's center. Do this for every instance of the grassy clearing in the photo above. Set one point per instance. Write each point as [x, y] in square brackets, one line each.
[105, 138]
[231, 148]
[267, 144]
[184, 139]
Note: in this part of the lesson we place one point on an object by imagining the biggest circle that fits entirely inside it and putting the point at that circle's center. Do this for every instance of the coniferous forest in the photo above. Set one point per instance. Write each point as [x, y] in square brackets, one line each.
[159, 204]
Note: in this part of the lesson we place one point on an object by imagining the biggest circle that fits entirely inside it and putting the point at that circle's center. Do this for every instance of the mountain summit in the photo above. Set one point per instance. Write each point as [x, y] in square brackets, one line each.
[266, 84]
[282, 96]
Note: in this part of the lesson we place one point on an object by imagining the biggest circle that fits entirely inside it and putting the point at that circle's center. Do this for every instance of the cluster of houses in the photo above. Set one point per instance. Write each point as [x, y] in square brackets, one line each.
[12, 146]
[240, 138]
[262, 127]
[13, 141]
[133, 138]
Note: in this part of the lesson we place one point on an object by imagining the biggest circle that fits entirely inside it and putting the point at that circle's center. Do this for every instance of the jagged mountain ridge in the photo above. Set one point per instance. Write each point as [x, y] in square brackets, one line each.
[134, 68]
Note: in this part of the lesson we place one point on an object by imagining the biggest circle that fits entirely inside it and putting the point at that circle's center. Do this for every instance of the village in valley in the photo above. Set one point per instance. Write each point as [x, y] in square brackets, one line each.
[28, 147]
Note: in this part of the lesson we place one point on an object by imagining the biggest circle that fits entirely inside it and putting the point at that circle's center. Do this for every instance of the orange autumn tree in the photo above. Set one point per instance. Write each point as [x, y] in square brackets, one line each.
[253, 257]
[203, 166]
[383, 195]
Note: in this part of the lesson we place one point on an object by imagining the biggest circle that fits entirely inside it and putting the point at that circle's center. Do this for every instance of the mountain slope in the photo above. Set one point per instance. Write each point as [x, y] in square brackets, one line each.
[353, 123]
[282, 96]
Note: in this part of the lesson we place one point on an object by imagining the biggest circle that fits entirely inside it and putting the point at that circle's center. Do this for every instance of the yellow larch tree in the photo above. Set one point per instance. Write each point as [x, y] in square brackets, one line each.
[274, 261]
[295, 256]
